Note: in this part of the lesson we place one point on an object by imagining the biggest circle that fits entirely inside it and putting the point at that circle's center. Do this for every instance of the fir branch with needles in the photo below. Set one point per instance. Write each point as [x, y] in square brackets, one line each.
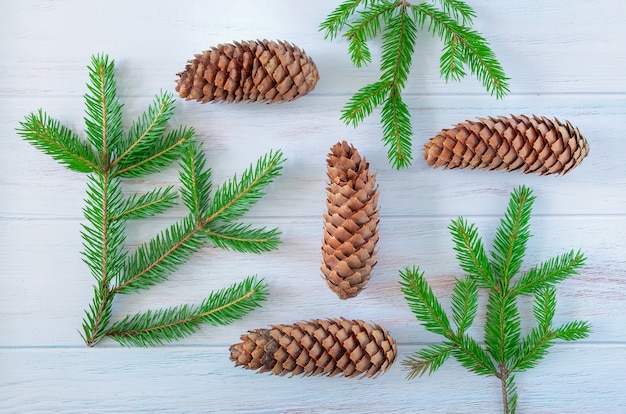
[110, 156]
[398, 23]
[506, 351]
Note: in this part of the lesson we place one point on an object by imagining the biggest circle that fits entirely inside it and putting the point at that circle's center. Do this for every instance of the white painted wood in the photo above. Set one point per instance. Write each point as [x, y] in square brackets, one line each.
[565, 59]
[201, 379]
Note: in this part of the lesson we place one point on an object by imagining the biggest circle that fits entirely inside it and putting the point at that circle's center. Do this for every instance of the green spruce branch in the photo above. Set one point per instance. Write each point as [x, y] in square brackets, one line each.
[506, 352]
[398, 21]
[111, 155]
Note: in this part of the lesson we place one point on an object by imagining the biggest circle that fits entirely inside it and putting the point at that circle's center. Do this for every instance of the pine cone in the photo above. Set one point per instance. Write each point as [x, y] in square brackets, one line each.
[318, 347]
[527, 144]
[351, 222]
[263, 71]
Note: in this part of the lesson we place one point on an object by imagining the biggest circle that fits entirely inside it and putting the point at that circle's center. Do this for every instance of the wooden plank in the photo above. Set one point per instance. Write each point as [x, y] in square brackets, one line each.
[202, 379]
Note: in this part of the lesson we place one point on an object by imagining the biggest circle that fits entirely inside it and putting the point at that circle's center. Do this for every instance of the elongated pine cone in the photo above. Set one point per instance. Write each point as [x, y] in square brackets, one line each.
[262, 71]
[517, 143]
[350, 222]
[318, 347]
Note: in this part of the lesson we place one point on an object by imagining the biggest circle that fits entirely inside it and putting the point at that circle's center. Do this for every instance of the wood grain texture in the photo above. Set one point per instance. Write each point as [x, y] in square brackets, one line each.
[565, 59]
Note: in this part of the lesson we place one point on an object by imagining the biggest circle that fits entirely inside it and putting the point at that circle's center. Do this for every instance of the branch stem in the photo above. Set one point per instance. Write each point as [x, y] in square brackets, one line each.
[505, 395]
[507, 389]
[104, 290]
[106, 295]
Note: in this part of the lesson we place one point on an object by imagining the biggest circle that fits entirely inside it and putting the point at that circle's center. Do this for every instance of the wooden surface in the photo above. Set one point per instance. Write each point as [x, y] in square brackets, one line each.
[565, 59]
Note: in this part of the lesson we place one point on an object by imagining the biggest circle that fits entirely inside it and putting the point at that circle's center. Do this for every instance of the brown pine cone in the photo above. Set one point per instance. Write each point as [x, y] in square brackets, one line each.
[318, 347]
[526, 144]
[262, 71]
[350, 223]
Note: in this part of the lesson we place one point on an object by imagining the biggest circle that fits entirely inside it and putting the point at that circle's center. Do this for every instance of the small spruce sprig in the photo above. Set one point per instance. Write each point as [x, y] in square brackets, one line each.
[109, 155]
[399, 22]
[505, 352]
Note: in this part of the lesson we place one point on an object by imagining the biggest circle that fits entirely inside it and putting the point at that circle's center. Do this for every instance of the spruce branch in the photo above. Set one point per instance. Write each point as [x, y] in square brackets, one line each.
[470, 252]
[473, 49]
[155, 260]
[362, 21]
[367, 26]
[509, 245]
[147, 130]
[63, 145]
[103, 237]
[150, 204]
[550, 272]
[428, 360]
[338, 18]
[503, 324]
[103, 117]
[167, 325]
[196, 182]
[364, 101]
[464, 304]
[243, 238]
[103, 253]
[235, 197]
[544, 307]
[423, 302]
[155, 157]
[473, 357]
[396, 123]
[458, 10]
[109, 155]
[506, 351]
